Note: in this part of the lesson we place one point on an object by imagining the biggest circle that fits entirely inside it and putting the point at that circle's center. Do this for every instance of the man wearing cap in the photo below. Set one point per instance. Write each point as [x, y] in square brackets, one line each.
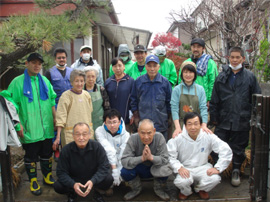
[138, 69]
[125, 55]
[151, 95]
[167, 68]
[35, 97]
[86, 60]
[206, 67]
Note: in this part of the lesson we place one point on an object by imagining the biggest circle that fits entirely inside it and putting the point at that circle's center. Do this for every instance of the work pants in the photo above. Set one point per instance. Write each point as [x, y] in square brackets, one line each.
[198, 177]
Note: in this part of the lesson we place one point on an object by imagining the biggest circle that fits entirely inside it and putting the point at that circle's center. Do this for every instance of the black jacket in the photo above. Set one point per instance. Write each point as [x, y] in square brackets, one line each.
[80, 165]
[230, 106]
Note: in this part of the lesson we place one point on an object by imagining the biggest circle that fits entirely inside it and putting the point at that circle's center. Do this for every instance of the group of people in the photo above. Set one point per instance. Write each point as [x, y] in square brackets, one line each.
[118, 130]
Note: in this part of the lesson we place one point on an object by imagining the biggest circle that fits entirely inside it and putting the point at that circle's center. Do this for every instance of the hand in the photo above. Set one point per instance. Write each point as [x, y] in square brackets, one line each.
[212, 171]
[55, 144]
[116, 177]
[20, 132]
[147, 153]
[78, 187]
[176, 132]
[184, 173]
[205, 129]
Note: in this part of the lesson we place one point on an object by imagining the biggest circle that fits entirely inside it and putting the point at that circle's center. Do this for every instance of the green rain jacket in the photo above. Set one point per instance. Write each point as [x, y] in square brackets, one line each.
[36, 117]
[128, 65]
[167, 69]
[134, 71]
[207, 81]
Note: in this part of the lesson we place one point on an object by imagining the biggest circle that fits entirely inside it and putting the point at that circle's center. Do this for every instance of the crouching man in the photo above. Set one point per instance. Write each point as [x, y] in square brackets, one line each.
[146, 156]
[112, 135]
[82, 165]
[188, 154]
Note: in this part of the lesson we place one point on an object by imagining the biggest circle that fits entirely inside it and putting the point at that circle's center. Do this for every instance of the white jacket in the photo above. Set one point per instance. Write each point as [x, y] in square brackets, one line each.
[114, 146]
[189, 153]
[8, 120]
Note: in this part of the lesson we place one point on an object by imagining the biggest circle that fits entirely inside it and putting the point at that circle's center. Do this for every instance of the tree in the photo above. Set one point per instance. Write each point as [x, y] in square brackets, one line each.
[168, 40]
[172, 44]
[21, 35]
[263, 61]
[232, 24]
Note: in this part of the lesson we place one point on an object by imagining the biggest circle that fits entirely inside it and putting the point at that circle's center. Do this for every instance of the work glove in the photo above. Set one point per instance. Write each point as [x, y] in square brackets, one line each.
[116, 177]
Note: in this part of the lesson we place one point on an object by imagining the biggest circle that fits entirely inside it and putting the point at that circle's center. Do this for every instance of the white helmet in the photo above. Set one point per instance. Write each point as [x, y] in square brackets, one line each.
[160, 51]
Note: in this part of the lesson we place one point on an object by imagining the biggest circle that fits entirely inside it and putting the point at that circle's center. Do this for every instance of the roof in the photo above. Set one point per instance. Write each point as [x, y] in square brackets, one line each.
[118, 34]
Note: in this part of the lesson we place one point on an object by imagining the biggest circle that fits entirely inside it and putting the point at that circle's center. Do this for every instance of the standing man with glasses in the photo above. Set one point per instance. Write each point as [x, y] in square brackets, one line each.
[59, 76]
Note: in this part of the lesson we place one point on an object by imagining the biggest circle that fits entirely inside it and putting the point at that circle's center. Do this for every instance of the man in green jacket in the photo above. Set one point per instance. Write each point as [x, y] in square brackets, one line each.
[125, 55]
[167, 67]
[206, 67]
[35, 97]
[138, 68]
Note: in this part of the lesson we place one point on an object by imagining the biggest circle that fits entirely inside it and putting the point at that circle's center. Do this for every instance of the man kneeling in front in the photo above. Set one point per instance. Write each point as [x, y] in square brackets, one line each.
[82, 166]
[146, 156]
[188, 154]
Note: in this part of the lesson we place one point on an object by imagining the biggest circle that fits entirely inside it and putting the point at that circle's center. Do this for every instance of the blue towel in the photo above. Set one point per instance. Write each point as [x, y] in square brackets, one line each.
[202, 64]
[27, 87]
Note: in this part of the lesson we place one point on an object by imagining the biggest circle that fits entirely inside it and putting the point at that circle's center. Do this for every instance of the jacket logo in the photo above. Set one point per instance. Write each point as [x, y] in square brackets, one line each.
[202, 149]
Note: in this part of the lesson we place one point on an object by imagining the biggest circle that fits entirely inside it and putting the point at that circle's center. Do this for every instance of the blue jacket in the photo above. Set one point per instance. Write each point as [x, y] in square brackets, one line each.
[119, 94]
[59, 83]
[152, 100]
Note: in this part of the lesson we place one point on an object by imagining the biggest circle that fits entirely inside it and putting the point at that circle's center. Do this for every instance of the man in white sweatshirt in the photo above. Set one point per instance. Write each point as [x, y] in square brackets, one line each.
[188, 155]
[112, 135]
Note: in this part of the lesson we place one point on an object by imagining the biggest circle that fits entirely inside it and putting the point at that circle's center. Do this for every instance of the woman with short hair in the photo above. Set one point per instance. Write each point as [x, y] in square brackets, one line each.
[188, 97]
[99, 96]
[119, 87]
[75, 105]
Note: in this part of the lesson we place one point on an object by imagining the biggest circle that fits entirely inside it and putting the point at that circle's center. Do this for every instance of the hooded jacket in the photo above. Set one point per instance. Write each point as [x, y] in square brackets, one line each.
[78, 64]
[188, 153]
[230, 107]
[207, 81]
[36, 117]
[123, 48]
[119, 94]
[113, 145]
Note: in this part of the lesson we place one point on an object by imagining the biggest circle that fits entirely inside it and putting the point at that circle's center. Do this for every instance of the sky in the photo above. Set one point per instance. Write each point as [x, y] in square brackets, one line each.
[151, 15]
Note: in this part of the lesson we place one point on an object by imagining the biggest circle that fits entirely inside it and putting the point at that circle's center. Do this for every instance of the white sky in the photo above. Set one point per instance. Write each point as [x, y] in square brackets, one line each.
[151, 15]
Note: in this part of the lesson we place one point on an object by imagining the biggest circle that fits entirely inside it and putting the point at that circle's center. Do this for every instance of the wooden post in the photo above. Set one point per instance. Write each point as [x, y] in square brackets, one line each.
[7, 184]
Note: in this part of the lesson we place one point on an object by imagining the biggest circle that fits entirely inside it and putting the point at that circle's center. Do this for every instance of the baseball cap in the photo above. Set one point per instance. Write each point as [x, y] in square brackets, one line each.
[160, 51]
[85, 47]
[198, 41]
[139, 48]
[34, 56]
[152, 58]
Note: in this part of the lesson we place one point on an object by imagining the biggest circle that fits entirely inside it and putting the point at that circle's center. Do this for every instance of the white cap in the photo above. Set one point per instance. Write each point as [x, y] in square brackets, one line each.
[84, 47]
[160, 51]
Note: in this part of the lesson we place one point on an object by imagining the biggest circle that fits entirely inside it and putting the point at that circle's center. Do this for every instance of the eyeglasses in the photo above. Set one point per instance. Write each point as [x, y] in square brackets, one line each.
[112, 123]
[59, 58]
[79, 135]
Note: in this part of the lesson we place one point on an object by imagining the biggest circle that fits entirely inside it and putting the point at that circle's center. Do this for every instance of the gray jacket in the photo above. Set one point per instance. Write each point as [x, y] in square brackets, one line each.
[8, 120]
[80, 66]
[132, 155]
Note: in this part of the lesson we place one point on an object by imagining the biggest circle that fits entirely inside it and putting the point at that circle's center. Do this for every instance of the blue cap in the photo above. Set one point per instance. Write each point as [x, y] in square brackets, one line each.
[152, 58]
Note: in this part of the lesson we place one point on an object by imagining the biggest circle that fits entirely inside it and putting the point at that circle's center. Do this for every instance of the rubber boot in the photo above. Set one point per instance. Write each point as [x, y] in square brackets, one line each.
[136, 188]
[46, 169]
[159, 189]
[32, 174]
[235, 181]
